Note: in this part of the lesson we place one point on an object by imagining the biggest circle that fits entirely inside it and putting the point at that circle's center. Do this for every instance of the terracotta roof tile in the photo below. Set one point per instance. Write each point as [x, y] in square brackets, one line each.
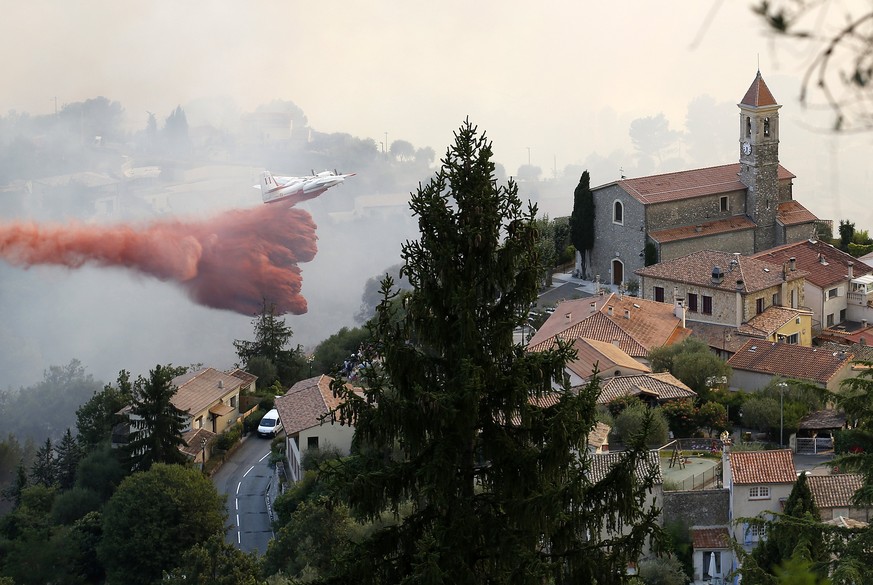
[758, 94]
[735, 223]
[192, 438]
[770, 321]
[200, 390]
[789, 361]
[688, 184]
[793, 213]
[824, 264]
[602, 463]
[751, 467]
[305, 403]
[834, 491]
[606, 356]
[660, 386]
[636, 325]
[710, 538]
[599, 435]
[697, 268]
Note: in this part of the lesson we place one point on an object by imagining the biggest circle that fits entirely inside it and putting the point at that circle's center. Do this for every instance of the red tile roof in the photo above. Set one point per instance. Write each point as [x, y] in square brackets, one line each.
[710, 538]
[661, 386]
[737, 223]
[767, 323]
[789, 361]
[793, 213]
[606, 356]
[751, 467]
[696, 269]
[636, 325]
[202, 389]
[825, 265]
[688, 184]
[758, 94]
[834, 491]
[305, 403]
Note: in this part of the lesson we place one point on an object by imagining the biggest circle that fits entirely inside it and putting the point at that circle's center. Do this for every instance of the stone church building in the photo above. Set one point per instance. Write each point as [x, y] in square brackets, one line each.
[744, 207]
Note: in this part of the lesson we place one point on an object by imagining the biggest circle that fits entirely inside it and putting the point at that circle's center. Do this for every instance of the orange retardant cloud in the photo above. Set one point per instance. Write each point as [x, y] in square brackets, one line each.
[232, 261]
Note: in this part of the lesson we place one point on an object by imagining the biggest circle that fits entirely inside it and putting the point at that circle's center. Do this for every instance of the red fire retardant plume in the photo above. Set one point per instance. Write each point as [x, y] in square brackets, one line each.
[233, 261]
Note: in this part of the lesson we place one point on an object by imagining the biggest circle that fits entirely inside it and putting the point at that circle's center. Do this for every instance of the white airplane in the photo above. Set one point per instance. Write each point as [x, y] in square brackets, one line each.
[275, 189]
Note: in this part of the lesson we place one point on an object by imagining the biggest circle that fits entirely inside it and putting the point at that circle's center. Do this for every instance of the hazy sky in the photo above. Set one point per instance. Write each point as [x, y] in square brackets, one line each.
[557, 82]
[534, 75]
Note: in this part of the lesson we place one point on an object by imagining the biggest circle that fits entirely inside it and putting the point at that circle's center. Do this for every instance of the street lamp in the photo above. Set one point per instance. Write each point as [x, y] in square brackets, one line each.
[782, 386]
[203, 453]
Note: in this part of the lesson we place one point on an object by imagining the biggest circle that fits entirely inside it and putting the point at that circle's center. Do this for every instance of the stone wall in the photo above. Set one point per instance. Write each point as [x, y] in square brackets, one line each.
[692, 211]
[741, 241]
[624, 242]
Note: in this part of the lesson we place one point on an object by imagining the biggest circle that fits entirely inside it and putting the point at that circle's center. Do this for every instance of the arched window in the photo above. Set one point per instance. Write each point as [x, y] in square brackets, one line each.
[766, 126]
[748, 126]
[618, 213]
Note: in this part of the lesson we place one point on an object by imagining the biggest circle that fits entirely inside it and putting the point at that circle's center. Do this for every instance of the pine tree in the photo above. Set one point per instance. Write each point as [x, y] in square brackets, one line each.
[43, 470]
[156, 429]
[271, 342]
[68, 453]
[582, 223]
[459, 432]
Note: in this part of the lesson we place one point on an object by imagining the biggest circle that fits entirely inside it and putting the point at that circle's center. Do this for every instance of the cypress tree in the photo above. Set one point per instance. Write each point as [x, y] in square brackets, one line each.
[582, 223]
[469, 442]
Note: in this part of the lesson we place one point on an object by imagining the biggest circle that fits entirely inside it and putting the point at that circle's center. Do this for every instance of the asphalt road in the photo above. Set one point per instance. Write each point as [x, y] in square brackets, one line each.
[244, 478]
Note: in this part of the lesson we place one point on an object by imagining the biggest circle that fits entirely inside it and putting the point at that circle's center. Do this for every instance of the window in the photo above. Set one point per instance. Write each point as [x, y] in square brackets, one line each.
[793, 339]
[775, 300]
[759, 305]
[692, 302]
[834, 292]
[233, 401]
[659, 294]
[723, 203]
[618, 213]
[707, 305]
[312, 443]
[198, 424]
[842, 315]
[766, 126]
[830, 320]
[707, 560]
[754, 533]
[759, 492]
[748, 126]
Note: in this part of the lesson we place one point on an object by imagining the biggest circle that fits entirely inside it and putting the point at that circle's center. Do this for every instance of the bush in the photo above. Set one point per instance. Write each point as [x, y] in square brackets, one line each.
[267, 403]
[251, 422]
[229, 438]
[630, 422]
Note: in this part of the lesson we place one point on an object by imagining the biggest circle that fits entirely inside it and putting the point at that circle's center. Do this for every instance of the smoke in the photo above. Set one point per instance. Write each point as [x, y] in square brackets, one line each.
[234, 261]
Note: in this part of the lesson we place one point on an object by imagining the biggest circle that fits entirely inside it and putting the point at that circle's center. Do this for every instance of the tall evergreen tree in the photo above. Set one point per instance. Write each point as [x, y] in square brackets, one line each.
[582, 223]
[68, 453]
[459, 432]
[156, 430]
[43, 471]
[96, 418]
[272, 338]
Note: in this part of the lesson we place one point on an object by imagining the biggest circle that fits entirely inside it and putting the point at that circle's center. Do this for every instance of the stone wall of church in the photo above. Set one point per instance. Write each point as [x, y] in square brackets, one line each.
[623, 241]
[799, 233]
[696, 210]
[742, 242]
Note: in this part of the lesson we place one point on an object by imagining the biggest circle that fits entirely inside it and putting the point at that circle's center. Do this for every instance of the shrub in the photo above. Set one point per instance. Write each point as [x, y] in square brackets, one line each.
[229, 438]
[630, 422]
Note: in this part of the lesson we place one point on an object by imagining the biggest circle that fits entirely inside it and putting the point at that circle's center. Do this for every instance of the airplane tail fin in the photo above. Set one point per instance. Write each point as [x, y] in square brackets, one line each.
[268, 184]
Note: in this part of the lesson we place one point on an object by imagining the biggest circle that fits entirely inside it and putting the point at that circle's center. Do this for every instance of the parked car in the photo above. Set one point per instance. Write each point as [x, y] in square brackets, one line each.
[270, 425]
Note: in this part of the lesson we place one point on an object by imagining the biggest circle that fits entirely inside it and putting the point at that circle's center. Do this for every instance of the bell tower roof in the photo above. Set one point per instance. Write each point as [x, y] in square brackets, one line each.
[758, 94]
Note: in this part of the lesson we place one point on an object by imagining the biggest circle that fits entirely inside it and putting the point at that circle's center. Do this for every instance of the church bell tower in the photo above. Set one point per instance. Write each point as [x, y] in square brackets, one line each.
[759, 160]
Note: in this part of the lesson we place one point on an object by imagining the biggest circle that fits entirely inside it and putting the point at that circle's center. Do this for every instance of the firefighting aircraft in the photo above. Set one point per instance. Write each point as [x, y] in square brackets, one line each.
[295, 189]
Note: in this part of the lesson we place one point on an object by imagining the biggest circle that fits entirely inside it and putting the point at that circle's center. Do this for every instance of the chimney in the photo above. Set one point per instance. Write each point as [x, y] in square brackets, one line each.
[615, 342]
[609, 310]
[740, 285]
[851, 267]
[221, 383]
[593, 308]
[568, 316]
[792, 264]
[627, 313]
[864, 323]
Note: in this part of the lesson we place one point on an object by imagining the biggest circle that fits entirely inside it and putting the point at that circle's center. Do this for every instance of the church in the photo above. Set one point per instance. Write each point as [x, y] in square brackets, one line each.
[744, 207]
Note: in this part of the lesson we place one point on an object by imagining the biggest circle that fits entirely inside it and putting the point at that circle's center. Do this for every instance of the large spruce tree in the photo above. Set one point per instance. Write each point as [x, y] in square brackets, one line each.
[582, 223]
[271, 346]
[471, 443]
[156, 430]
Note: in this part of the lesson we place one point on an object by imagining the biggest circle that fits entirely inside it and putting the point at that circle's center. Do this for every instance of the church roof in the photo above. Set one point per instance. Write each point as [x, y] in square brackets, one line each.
[736, 223]
[688, 184]
[758, 94]
[793, 213]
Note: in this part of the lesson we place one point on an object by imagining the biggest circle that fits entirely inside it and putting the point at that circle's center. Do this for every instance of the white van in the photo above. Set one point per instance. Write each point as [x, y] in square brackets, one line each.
[270, 425]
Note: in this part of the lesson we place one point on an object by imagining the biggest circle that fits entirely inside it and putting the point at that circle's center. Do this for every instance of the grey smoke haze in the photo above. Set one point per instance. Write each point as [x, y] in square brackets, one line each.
[562, 87]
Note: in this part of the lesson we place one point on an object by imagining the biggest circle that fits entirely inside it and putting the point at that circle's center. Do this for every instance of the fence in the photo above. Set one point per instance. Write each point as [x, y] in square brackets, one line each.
[813, 445]
[698, 481]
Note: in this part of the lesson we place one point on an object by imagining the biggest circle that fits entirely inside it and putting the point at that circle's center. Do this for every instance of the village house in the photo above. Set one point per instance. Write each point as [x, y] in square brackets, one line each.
[653, 389]
[833, 495]
[744, 207]
[837, 286]
[608, 359]
[305, 413]
[758, 363]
